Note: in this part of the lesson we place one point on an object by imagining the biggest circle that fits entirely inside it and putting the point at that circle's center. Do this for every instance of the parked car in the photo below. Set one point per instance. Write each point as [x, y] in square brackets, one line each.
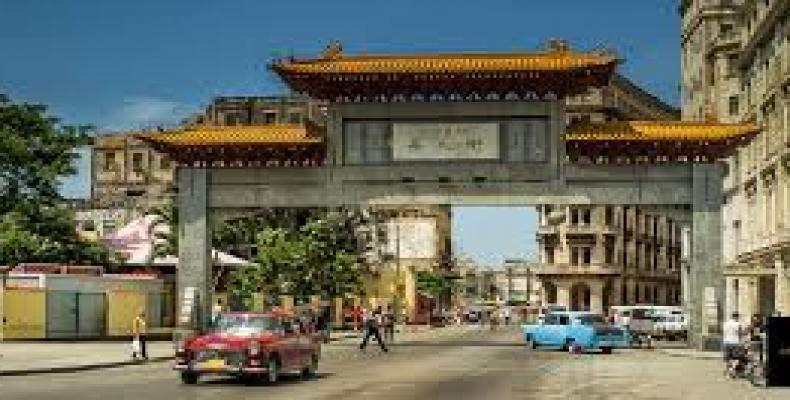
[577, 331]
[250, 345]
[670, 326]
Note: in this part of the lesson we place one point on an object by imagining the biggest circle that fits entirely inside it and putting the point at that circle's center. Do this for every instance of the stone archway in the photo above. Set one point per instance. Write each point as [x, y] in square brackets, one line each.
[580, 297]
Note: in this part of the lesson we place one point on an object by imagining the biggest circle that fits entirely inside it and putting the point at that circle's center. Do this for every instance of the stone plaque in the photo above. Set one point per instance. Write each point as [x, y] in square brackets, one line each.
[424, 141]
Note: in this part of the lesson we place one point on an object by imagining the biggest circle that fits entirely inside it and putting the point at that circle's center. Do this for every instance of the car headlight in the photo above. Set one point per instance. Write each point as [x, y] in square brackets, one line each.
[254, 348]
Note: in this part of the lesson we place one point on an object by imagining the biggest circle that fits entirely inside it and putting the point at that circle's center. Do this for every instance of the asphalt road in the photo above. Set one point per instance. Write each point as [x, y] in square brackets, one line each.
[469, 365]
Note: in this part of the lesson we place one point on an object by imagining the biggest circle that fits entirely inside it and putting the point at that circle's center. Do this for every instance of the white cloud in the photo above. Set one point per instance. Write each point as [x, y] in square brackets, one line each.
[146, 112]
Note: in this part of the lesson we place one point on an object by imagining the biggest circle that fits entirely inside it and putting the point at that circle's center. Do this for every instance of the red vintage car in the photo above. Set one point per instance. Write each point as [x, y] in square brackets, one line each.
[250, 346]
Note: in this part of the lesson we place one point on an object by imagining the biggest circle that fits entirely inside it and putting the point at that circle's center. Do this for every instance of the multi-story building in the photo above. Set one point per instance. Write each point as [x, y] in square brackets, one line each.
[594, 257]
[736, 67]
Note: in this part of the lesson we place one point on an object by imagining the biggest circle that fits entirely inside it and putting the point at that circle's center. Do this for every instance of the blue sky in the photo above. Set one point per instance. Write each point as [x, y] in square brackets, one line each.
[131, 64]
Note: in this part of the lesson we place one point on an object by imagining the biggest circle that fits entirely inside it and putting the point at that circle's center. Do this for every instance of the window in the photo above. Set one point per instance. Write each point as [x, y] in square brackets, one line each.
[165, 163]
[109, 162]
[564, 320]
[549, 254]
[732, 64]
[587, 217]
[609, 255]
[574, 256]
[233, 119]
[609, 216]
[586, 252]
[733, 105]
[137, 162]
[269, 117]
[574, 217]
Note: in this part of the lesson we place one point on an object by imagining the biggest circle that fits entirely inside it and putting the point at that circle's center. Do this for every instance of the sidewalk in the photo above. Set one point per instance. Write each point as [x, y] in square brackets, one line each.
[691, 353]
[22, 358]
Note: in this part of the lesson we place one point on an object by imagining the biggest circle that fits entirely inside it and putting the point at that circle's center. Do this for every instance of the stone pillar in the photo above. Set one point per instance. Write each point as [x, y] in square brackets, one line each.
[616, 296]
[706, 281]
[194, 250]
[730, 302]
[596, 296]
[338, 304]
[631, 291]
[780, 285]
[564, 294]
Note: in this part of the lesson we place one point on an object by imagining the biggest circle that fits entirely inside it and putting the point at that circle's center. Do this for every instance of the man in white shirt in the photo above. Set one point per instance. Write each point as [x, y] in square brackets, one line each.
[732, 332]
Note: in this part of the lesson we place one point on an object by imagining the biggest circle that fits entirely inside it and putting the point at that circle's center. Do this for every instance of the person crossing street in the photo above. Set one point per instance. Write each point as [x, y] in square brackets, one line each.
[373, 322]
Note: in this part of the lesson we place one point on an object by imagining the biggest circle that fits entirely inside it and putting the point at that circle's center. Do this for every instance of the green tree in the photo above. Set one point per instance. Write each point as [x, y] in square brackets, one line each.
[35, 152]
[433, 284]
[303, 254]
[165, 230]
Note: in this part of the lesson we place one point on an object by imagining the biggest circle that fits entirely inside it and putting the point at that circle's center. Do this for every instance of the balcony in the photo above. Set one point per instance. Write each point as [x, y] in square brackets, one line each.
[582, 233]
[548, 230]
[610, 229]
[567, 269]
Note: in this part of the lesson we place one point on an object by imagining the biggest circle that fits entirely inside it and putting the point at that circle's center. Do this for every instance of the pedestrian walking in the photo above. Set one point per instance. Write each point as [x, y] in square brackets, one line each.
[373, 322]
[139, 332]
[389, 326]
[216, 312]
[732, 332]
[323, 324]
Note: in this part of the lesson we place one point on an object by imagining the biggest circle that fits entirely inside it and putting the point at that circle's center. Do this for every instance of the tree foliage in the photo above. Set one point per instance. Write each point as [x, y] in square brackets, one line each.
[319, 256]
[35, 152]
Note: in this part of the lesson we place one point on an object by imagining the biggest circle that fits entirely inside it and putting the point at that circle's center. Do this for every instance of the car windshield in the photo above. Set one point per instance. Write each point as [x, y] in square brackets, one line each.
[591, 320]
[241, 324]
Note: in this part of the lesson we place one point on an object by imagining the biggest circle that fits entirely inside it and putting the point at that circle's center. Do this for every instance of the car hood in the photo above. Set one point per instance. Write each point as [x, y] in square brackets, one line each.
[226, 341]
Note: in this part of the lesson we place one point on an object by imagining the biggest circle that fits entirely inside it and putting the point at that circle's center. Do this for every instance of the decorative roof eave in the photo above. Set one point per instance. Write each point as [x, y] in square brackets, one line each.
[558, 71]
[656, 141]
[286, 144]
[661, 131]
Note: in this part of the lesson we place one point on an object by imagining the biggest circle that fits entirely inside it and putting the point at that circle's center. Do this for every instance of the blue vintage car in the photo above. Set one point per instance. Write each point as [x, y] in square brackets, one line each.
[576, 330]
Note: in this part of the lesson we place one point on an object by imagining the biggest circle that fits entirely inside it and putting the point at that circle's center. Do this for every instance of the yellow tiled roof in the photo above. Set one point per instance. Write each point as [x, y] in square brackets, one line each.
[234, 135]
[659, 130]
[553, 60]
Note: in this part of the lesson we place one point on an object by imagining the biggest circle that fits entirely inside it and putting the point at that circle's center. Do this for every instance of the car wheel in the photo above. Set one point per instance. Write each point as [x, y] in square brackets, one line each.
[606, 350]
[273, 370]
[189, 378]
[309, 371]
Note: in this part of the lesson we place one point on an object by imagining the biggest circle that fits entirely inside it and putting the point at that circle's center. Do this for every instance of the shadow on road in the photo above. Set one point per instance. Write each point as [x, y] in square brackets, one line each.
[286, 379]
[454, 343]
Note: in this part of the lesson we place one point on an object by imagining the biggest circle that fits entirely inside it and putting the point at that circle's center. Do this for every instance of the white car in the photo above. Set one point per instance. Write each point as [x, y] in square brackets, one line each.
[670, 326]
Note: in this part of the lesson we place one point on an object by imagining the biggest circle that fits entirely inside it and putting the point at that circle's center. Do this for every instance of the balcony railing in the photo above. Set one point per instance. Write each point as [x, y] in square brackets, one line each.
[568, 269]
[583, 229]
[548, 230]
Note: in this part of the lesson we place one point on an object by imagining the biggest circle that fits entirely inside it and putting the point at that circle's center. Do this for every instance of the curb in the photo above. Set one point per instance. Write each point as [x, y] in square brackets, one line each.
[78, 368]
[692, 355]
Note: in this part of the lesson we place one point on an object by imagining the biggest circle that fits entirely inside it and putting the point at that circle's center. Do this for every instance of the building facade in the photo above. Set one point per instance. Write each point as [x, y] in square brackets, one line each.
[736, 67]
[594, 257]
